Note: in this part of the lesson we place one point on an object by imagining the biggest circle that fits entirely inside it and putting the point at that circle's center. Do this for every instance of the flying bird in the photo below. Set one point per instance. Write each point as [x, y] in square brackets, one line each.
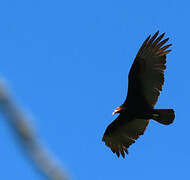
[145, 81]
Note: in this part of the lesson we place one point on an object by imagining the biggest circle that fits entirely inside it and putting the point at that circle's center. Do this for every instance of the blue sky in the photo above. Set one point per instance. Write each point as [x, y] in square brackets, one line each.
[67, 63]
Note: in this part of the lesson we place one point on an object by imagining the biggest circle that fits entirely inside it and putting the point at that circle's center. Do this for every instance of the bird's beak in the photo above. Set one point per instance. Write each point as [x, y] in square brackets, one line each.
[117, 110]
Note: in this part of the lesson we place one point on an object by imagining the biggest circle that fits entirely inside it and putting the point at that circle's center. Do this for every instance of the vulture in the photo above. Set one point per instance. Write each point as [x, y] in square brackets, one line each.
[145, 81]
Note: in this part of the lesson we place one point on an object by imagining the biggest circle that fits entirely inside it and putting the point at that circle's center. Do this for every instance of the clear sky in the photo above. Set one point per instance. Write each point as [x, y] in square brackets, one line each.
[67, 63]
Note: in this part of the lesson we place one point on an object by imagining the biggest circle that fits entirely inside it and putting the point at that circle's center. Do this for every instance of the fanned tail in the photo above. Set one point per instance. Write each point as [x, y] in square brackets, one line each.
[164, 116]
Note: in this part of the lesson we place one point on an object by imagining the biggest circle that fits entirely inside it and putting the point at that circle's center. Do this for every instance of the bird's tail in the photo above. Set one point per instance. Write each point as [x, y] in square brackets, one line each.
[164, 116]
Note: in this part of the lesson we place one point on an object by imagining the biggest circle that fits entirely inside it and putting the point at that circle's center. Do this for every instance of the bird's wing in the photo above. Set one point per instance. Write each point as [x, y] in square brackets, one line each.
[120, 134]
[146, 75]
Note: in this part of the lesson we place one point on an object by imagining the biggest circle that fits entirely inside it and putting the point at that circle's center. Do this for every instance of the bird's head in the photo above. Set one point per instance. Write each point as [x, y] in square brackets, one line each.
[118, 110]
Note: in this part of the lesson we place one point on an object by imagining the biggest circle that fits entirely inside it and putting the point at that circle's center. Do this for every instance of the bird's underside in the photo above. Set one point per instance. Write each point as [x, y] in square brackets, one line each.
[145, 81]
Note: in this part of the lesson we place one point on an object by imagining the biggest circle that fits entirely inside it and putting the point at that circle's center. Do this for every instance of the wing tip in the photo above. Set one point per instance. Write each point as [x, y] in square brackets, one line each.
[119, 150]
[154, 44]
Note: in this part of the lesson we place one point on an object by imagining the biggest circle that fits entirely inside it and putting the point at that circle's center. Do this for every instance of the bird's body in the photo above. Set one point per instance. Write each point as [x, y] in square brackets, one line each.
[145, 81]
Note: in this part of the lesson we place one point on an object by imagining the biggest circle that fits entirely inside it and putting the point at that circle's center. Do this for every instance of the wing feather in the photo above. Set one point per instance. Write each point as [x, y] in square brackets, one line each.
[158, 40]
[120, 135]
[151, 63]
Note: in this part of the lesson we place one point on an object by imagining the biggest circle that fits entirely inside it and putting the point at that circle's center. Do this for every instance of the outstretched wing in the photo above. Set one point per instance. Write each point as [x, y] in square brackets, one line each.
[146, 76]
[120, 134]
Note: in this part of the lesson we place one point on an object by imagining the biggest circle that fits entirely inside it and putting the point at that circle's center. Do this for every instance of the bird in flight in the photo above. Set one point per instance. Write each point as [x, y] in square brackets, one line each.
[145, 81]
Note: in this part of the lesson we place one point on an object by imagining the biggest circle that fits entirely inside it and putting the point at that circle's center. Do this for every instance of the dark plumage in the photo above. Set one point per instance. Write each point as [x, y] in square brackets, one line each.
[145, 81]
